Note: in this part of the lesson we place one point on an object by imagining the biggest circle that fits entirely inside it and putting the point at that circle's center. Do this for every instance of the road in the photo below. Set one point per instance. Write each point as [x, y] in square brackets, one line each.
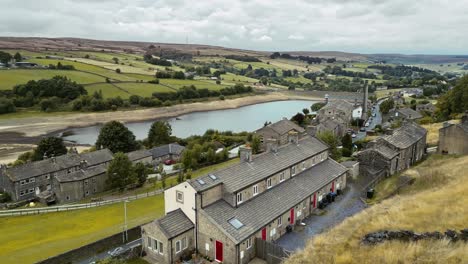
[377, 120]
[109, 253]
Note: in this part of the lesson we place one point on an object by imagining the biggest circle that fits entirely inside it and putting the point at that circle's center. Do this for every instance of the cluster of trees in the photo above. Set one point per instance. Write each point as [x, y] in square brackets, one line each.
[191, 92]
[289, 73]
[168, 75]
[308, 59]
[122, 173]
[117, 138]
[7, 106]
[58, 86]
[336, 70]
[454, 101]
[60, 66]
[401, 70]
[386, 106]
[96, 102]
[6, 57]
[148, 58]
[244, 58]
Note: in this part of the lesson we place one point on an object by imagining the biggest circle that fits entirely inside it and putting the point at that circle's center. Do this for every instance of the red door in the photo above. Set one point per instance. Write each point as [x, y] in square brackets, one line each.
[314, 202]
[219, 251]
[291, 217]
[264, 234]
[333, 186]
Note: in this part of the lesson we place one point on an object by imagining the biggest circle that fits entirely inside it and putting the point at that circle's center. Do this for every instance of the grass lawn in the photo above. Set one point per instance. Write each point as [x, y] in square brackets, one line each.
[40, 236]
[10, 78]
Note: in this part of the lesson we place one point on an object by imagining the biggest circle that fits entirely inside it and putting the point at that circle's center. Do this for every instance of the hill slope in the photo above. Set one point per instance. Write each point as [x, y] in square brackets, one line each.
[435, 202]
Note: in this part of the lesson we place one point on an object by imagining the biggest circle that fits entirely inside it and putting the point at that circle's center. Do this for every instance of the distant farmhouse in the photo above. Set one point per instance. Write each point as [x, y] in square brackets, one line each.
[393, 153]
[224, 213]
[429, 108]
[65, 178]
[278, 131]
[453, 138]
[404, 114]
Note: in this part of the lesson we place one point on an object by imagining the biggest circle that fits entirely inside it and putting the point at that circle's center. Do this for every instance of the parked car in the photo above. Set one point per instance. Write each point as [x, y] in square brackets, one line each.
[363, 129]
[367, 124]
[353, 135]
[116, 252]
[169, 162]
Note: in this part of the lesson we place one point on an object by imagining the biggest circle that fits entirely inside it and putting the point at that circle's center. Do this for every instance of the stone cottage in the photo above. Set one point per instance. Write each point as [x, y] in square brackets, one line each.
[278, 131]
[162, 153]
[337, 109]
[260, 197]
[30, 180]
[453, 138]
[393, 153]
[144, 156]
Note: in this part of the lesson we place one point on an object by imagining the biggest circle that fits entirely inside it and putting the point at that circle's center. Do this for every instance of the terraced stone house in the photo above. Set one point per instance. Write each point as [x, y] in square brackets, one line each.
[278, 131]
[68, 178]
[261, 197]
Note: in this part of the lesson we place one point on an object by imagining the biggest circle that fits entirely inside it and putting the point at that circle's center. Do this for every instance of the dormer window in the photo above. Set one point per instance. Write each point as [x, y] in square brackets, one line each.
[255, 189]
[269, 183]
[239, 198]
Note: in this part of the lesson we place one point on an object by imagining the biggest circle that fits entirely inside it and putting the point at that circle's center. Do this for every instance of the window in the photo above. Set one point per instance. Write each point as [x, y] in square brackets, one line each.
[242, 254]
[236, 223]
[155, 245]
[280, 221]
[282, 176]
[303, 165]
[161, 248]
[249, 243]
[22, 193]
[47, 177]
[32, 180]
[177, 246]
[255, 190]
[293, 170]
[207, 246]
[31, 190]
[180, 196]
[269, 183]
[86, 182]
[68, 198]
[149, 242]
[239, 198]
[272, 232]
[87, 192]
[320, 198]
[184, 243]
[23, 182]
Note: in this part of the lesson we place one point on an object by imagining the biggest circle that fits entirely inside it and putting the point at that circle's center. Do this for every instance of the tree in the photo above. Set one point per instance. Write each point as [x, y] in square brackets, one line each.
[50, 146]
[117, 70]
[454, 101]
[120, 172]
[305, 111]
[116, 60]
[255, 144]
[7, 106]
[5, 57]
[332, 141]
[18, 57]
[386, 105]
[317, 106]
[141, 173]
[347, 143]
[159, 134]
[298, 118]
[116, 137]
[163, 179]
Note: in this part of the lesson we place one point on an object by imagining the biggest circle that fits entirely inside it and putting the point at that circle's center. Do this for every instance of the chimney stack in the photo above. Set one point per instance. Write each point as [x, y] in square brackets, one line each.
[272, 145]
[293, 137]
[245, 154]
[53, 158]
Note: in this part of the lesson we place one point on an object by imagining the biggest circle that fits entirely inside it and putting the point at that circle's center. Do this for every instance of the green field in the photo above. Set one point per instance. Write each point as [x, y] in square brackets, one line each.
[200, 84]
[41, 236]
[144, 89]
[230, 77]
[108, 90]
[297, 79]
[10, 78]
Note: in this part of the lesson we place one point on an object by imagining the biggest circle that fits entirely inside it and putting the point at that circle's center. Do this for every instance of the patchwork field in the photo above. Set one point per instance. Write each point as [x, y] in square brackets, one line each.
[10, 78]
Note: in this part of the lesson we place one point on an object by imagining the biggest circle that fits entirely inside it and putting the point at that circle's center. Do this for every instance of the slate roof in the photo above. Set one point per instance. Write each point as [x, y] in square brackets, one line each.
[284, 126]
[340, 104]
[138, 154]
[349, 163]
[173, 148]
[258, 212]
[174, 223]
[242, 174]
[409, 113]
[406, 135]
[82, 174]
[62, 162]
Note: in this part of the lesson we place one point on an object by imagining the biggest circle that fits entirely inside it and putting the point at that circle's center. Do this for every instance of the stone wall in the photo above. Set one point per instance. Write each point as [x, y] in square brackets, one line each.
[453, 140]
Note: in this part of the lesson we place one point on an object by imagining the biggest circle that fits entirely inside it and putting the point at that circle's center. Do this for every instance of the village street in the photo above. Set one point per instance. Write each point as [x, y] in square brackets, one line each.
[344, 206]
[377, 120]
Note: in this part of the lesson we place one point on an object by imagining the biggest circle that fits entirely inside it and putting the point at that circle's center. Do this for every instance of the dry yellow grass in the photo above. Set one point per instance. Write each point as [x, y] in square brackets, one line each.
[433, 131]
[435, 202]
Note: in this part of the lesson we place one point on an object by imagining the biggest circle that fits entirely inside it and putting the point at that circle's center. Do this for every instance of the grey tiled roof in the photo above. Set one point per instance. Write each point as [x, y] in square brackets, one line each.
[63, 162]
[138, 154]
[174, 223]
[242, 174]
[340, 104]
[173, 148]
[349, 163]
[409, 113]
[258, 212]
[284, 126]
[82, 174]
[406, 135]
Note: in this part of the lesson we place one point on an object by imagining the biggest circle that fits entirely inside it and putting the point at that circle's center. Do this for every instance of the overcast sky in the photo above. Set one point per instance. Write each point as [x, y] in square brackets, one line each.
[366, 26]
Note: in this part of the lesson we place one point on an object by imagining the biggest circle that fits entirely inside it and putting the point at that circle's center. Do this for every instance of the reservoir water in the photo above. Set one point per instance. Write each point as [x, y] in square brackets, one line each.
[246, 118]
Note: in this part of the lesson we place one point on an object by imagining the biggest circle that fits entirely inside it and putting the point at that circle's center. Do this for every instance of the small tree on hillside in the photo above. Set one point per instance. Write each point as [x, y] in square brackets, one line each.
[50, 146]
[116, 60]
[116, 137]
[120, 172]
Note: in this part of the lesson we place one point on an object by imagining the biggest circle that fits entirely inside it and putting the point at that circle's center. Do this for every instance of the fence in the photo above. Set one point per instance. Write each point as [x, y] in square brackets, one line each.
[271, 253]
[70, 207]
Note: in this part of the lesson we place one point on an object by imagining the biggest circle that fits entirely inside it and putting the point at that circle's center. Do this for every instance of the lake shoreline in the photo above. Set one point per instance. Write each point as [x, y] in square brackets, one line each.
[31, 129]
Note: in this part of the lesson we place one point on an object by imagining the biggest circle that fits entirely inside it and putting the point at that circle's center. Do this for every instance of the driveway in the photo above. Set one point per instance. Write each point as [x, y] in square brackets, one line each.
[344, 206]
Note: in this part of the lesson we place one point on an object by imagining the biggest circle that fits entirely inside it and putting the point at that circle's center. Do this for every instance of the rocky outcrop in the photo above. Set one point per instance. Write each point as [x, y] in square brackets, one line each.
[410, 236]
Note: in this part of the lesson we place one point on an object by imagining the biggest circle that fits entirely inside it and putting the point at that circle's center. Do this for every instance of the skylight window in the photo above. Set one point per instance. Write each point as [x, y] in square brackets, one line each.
[236, 223]
[213, 177]
[201, 182]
